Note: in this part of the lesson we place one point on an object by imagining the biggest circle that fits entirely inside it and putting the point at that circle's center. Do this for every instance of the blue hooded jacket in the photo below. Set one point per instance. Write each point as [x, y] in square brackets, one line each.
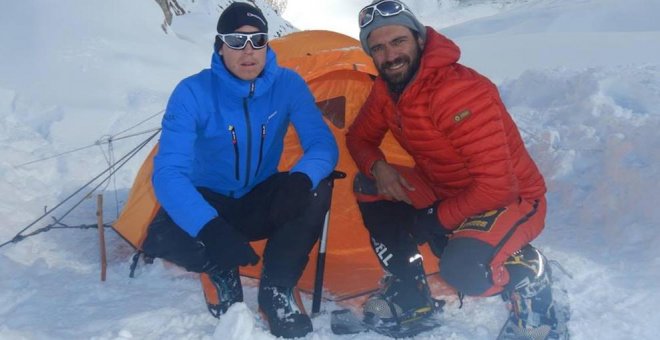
[227, 134]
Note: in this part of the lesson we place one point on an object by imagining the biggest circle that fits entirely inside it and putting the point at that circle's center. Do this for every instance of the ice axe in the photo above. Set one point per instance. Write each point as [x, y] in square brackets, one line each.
[320, 259]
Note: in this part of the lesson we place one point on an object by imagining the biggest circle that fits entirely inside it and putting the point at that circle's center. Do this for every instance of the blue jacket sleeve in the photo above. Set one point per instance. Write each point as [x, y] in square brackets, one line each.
[173, 164]
[320, 151]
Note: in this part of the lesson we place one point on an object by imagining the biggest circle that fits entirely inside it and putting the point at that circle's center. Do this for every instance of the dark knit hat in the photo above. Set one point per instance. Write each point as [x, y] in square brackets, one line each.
[405, 18]
[239, 14]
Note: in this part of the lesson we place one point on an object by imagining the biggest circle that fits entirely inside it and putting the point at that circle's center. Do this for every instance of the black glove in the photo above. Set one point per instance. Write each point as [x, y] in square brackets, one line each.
[225, 246]
[291, 198]
[426, 227]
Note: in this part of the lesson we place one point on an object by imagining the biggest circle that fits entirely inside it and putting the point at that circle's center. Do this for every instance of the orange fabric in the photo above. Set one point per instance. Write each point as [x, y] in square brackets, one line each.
[141, 206]
[210, 292]
[334, 66]
[452, 122]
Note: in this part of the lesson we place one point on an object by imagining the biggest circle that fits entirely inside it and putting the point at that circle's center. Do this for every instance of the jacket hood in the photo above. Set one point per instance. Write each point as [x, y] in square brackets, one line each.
[439, 51]
[241, 88]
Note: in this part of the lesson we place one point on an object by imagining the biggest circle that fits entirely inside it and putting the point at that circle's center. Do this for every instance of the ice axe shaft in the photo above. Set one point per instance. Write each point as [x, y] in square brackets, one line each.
[320, 259]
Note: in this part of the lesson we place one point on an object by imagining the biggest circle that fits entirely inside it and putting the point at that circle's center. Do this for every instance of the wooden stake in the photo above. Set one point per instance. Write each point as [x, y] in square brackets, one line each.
[99, 219]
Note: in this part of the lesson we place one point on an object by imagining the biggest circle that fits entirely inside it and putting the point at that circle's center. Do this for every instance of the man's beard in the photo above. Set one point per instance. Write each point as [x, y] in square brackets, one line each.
[398, 82]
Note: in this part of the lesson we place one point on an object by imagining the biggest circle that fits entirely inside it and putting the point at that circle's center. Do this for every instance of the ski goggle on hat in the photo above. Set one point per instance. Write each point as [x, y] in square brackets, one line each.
[238, 41]
[386, 8]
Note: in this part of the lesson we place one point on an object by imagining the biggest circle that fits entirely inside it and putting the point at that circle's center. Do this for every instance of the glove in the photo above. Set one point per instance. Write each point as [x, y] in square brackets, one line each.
[291, 198]
[427, 228]
[225, 246]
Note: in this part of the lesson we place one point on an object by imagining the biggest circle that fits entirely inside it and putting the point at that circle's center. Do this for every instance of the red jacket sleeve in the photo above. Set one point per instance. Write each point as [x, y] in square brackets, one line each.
[366, 133]
[476, 125]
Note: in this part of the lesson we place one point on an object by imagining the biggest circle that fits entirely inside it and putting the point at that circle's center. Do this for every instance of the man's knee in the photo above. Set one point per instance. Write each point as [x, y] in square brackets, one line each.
[319, 202]
[386, 218]
[323, 191]
[307, 227]
[465, 265]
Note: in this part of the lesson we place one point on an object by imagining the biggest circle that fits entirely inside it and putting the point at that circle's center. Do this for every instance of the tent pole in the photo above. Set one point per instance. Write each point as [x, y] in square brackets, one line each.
[99, 221]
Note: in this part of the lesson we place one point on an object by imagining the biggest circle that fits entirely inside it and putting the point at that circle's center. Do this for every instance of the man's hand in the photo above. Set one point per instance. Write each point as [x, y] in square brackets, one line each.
[224, 246]
[390, 183]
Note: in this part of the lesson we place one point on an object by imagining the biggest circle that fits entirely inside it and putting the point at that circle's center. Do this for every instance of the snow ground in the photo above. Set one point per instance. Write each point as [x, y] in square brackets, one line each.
[581, 78]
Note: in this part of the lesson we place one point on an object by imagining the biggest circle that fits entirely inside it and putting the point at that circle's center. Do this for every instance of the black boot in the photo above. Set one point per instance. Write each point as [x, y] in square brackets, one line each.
[400, 300]
[534, 314]
[283, 310]
[227, 284]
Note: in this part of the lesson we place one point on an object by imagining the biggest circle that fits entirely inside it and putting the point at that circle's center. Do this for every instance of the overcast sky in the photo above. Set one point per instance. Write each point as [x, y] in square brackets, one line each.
[338, 15]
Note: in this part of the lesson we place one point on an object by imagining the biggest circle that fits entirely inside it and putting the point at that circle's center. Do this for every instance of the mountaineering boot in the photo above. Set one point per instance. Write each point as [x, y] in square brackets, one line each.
[283, 310]
[401, 300]
[534, 314]
[222, 288]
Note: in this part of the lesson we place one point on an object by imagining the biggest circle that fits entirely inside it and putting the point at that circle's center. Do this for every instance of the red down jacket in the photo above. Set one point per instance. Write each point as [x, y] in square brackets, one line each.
[453, 123]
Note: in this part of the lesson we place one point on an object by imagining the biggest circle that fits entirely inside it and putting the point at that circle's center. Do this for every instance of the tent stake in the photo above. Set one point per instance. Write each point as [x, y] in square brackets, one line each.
[99, 221]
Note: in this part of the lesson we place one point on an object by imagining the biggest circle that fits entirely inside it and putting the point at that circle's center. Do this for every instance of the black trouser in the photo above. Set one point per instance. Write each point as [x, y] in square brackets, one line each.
[288, 246]
[465, 260]
[386, 222]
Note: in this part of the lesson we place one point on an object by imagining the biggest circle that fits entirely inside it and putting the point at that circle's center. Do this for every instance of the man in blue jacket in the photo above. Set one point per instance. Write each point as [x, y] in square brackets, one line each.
[216, 174]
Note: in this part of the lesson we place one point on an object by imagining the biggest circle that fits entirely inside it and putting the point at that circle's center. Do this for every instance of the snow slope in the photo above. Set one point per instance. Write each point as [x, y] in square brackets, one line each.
[581, 78]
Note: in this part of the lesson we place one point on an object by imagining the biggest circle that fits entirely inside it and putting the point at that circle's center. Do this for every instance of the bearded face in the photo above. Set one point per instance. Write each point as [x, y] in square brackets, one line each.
[396, 52]
[399, 72]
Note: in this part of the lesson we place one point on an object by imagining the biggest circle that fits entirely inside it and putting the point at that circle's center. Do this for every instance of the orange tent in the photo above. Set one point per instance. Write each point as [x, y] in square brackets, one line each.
[340, 76]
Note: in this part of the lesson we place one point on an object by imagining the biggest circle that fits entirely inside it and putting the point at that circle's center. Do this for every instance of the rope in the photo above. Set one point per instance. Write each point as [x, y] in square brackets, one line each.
[123, 160]
[51, 227]
[109, 139]
[139, 123]
[54, 156]
[135, 134]
[110, 159]
[98, 142]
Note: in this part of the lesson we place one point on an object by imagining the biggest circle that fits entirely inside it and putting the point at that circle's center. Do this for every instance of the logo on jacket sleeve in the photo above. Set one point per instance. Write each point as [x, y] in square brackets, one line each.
[462, 115]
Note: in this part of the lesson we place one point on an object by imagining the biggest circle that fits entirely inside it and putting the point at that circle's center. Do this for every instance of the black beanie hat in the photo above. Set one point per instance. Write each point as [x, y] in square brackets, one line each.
[239, 14]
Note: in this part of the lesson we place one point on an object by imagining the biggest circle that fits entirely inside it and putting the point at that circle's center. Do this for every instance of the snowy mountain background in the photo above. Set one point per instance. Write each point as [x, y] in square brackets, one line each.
[580, 77]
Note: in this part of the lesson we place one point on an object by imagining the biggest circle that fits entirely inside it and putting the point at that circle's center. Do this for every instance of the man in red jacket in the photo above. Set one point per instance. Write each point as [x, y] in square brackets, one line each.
[474, 194]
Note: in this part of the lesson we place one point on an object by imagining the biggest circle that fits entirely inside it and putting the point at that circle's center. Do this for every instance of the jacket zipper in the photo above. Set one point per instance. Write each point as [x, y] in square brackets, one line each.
[397, 118]
[249, 134]
[234, 141]
[261, 147]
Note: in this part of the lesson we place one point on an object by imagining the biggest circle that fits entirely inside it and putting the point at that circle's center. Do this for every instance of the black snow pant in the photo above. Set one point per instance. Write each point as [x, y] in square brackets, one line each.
[386, 222]
[288, 246]
[468, 257]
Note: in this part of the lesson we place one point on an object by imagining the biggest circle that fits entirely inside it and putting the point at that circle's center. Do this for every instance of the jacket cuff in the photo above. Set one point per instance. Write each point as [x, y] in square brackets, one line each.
[446, 219]
[369, 165]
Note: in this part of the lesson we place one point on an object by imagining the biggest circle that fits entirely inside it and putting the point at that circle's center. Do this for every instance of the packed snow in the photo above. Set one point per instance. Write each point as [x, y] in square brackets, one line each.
[581, 78]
